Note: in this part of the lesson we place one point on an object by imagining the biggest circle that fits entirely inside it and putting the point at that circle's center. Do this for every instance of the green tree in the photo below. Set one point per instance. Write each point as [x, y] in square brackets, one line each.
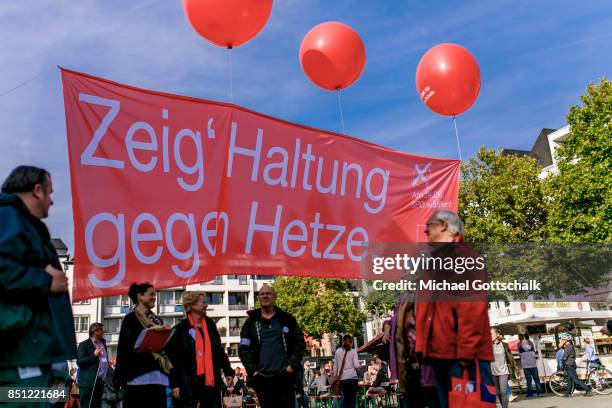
[380, 302]
[581, 193]
[319, 305]
[501, 198]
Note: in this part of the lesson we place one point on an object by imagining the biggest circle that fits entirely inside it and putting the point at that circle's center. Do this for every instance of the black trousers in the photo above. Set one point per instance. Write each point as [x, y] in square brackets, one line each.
[206, 397]
[572, 379]
[416, 395]
[92, 397]
[150, 396]
[348, 393]
[275, 392]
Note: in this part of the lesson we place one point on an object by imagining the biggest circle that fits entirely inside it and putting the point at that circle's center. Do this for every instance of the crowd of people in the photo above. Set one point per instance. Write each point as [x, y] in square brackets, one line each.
[430, 342]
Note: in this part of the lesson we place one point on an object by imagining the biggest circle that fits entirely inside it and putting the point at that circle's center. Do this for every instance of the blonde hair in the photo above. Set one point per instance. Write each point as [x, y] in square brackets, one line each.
[190, 298]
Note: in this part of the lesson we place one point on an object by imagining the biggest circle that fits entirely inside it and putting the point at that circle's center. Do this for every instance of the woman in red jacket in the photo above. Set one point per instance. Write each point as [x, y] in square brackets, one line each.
[452, 327]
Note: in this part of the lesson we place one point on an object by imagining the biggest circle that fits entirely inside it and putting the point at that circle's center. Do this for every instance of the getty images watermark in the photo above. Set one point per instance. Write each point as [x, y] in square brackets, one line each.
[438, 265]
[518, 271]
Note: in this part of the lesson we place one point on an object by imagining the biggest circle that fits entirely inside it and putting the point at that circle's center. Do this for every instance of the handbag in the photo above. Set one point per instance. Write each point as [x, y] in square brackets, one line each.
[465, 393]
[234, 401]
[335, 387]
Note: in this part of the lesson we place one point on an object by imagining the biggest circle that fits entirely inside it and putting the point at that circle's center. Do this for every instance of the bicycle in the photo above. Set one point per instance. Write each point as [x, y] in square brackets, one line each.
[599, 378]
[557, 382]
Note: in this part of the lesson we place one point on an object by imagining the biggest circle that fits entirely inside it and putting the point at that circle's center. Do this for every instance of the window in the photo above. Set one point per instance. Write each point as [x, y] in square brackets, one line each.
[81, 323]
[235, 324]
[232, 351]
[112, 301]
[119, 300]
[238, 301]
[172, 321]
[170, 298]
[237, 298]
[242, 279]
[112, 326]
[214, 298]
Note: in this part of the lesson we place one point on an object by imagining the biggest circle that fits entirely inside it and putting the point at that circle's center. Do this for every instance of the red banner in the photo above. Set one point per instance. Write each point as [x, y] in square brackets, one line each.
[175, 190]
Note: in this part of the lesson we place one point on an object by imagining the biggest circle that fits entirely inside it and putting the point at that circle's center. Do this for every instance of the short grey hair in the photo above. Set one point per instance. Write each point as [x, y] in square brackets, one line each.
[452, 220]
[265, 285]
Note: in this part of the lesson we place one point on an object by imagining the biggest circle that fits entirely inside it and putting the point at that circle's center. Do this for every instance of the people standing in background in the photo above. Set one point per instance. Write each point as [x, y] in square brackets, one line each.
[199, 361]
[347, 364]
[501, 367]
[559, 355]
[143, 376]
[36, 324]
[589, 352]
[526, 350]
[92, 359]
[73, 390]
[110, 397]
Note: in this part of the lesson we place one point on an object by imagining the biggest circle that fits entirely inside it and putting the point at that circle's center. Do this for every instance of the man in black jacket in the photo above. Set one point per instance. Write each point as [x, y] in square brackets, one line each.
[36, 328]
[92, 359]
[271, 350]
[569, 364]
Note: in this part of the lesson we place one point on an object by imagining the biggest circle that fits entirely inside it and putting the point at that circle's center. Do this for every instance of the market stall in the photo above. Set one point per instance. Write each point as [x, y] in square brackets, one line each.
[543, 326]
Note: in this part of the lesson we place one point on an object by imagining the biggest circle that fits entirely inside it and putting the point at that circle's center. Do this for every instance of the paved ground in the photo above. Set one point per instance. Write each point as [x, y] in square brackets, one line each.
[552, 401]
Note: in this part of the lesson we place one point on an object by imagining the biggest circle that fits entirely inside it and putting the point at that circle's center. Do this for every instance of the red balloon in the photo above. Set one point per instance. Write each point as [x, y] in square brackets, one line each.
[448, 79]
[332, 55]
[227, 23]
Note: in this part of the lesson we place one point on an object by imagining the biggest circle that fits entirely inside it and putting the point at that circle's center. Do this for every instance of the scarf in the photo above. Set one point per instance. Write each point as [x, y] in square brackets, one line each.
[150, 320]
[203, 353]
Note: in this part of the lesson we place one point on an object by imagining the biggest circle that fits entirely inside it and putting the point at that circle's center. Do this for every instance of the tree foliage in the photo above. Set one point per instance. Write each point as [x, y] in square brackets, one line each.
[319, 305]
[380, 302]
[501, 198]
[581, 205]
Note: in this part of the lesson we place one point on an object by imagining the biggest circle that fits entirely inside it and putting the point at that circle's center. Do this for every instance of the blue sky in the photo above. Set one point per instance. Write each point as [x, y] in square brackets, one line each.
[535, 57]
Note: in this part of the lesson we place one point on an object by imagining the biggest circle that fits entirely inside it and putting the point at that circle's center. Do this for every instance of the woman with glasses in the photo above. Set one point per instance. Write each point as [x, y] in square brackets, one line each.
[197, 357]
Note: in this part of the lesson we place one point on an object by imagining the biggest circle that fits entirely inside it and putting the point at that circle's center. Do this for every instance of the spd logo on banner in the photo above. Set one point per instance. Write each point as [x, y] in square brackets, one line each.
[175, 190]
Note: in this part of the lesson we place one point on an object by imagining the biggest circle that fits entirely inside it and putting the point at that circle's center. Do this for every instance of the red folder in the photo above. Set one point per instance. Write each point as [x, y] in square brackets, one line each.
[151, 340]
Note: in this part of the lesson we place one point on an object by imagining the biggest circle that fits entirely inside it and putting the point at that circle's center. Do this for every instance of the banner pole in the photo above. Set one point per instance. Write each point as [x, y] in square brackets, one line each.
[457, 136]
[340, 107]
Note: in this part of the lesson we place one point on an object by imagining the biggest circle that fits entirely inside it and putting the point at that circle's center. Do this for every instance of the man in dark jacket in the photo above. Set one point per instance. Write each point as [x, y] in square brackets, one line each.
[92, 359]
[569, 365]
[37, 328]
[271, 349]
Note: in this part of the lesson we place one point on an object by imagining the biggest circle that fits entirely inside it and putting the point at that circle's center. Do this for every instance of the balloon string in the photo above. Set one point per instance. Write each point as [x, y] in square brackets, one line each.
[457, 136]
[341, 115]
[230, 76]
